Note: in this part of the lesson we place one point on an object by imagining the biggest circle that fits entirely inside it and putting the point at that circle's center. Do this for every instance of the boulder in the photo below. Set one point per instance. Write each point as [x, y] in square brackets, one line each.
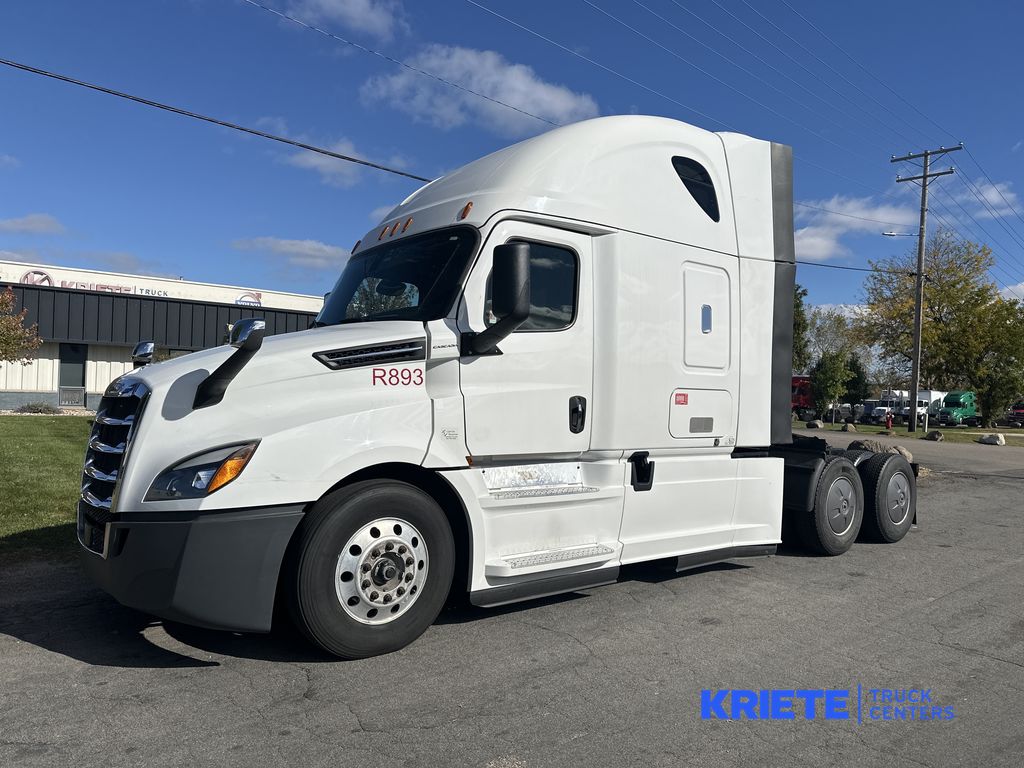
[849, 428]
[877, 446]
[935, 436]
[902, 452]
[993, 439]
[816, 424]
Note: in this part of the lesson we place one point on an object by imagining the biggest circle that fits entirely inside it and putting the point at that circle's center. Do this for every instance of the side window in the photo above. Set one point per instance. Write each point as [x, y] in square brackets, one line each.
[697, 181]
[553, 278]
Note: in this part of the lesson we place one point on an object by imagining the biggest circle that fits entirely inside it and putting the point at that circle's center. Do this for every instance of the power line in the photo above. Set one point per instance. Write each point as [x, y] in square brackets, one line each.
[994, 185]
[706, 73]
[836, 71]
[208, 119]
[798, 63]
[955, 233]
[851, 216]
[981, 228]
[857, 269]
[852, 117]
[399, 62]
[598, 64]
[991, 210]
[866, 70]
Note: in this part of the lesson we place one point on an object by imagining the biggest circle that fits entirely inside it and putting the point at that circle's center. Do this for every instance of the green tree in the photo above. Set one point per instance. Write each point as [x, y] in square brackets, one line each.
[858, 389]
[16, 341]
[829, 378]
[996, 373]
[801, 343]
[957, 295]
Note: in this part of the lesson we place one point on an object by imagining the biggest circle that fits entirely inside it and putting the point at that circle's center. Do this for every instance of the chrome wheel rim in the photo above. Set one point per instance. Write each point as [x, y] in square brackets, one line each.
[897, 497]
[840, 505]
[381, 571]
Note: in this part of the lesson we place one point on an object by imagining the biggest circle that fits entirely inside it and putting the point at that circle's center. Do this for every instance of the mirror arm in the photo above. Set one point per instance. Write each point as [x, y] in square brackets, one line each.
[486, 342]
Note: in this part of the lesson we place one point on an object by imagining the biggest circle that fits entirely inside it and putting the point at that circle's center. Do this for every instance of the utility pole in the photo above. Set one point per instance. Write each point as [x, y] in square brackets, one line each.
[923, 178]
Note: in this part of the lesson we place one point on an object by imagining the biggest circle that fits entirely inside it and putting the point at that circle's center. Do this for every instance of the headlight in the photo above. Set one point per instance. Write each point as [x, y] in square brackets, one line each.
[201, 475]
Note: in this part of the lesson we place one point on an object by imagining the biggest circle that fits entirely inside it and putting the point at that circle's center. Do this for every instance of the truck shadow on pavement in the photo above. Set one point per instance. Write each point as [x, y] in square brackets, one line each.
[50, 604]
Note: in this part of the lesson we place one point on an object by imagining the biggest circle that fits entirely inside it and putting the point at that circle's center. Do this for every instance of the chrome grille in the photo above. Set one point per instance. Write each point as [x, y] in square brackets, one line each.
[115, 422]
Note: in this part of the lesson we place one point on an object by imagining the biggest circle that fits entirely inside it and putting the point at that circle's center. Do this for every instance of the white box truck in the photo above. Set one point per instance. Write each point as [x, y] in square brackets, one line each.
[567, 356]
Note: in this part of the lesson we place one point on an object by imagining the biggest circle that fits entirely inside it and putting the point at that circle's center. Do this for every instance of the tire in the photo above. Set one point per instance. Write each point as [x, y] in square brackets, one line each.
[371, 568]
[855, 455]
[890, 497]
[831, 527]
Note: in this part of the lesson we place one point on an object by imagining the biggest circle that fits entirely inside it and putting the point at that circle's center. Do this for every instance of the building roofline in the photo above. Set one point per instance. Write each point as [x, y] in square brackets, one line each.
[40, 265]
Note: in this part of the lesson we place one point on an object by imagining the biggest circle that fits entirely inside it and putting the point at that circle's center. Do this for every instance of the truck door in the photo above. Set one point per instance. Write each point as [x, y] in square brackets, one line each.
[535, 398]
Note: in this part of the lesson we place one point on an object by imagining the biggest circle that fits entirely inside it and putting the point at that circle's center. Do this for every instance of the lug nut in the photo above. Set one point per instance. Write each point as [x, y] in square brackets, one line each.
[365, 584]
[400, 591]
[409, 561]
[402, 550]
[366, 567]
[408, 577]
[375, 553]
[389, 546]
[387, 598]
[374, 595]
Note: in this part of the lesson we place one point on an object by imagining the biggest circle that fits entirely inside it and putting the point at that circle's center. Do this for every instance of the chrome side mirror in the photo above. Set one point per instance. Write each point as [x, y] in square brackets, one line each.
[143, 353]
[247, 334]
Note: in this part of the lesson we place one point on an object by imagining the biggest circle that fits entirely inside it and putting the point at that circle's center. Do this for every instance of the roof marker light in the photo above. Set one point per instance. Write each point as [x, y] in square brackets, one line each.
[465, 211]
[356, 246]
[406, 225]
[382, 233]
[394, 228]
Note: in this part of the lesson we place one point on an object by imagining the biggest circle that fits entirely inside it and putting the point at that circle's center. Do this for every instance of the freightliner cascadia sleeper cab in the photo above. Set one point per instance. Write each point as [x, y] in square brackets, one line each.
[567, 356]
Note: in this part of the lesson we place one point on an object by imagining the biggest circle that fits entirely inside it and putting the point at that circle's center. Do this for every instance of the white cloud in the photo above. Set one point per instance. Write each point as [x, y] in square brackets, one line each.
[849, 311]
[378, 214]
[485, 72]
[9, 161]
[997, 200]
[18, 256]
[1016, 147]
[336, 173]
[819, 233]
[1013, 292]
[302, 253]
[379, 18]
[33, 224]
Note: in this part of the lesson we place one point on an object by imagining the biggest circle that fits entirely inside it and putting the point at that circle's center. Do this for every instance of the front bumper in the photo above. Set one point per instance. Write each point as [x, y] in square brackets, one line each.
[212, 569]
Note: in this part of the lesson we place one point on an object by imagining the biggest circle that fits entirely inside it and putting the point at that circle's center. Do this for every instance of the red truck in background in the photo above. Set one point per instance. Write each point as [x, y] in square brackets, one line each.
[802, 400]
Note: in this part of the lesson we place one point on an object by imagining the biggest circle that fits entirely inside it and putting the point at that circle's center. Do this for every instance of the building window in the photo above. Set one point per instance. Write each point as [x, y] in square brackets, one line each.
[553, 278]
[697, 181]
[72, 365]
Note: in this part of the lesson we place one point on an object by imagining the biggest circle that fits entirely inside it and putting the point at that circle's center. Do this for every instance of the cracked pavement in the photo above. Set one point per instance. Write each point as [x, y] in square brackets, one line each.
[608, 677]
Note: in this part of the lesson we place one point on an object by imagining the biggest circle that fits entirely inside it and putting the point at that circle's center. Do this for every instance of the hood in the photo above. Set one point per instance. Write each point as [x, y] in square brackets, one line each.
[283, 397]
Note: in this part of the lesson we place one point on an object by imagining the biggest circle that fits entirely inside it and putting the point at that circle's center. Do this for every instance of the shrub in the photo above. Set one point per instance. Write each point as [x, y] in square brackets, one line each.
[38, 408]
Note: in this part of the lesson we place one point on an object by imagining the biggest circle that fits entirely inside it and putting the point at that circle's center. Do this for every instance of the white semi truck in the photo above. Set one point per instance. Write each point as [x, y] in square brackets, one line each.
[570, 355]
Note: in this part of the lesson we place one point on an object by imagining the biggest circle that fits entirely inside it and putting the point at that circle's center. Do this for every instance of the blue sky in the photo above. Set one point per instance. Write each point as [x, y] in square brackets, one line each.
[90, 180]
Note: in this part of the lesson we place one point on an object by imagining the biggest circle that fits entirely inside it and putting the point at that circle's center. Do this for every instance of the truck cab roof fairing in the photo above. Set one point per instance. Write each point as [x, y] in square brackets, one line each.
[600, 170]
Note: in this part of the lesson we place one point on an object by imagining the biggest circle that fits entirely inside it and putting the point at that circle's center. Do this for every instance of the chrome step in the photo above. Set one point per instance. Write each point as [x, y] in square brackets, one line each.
[551, 490]
[529, 562]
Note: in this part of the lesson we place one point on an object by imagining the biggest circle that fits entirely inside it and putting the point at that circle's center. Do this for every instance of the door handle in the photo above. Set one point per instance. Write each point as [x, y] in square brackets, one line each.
[577, 413]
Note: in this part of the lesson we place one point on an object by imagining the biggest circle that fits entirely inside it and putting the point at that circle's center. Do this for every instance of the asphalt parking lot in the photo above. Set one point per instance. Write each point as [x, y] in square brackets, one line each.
[609, 677]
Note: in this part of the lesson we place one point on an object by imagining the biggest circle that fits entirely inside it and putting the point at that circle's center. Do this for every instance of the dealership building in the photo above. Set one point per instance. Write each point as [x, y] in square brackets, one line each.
[89, 322]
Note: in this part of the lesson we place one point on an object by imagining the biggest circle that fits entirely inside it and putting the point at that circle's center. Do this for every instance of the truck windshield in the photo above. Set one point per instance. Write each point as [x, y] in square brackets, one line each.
[416, 278]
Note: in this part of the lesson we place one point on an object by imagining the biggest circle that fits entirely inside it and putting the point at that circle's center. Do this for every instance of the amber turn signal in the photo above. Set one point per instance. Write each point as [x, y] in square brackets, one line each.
[232, 467]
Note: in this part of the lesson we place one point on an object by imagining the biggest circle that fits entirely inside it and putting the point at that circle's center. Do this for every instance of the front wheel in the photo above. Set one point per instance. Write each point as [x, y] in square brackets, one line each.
[372, 568]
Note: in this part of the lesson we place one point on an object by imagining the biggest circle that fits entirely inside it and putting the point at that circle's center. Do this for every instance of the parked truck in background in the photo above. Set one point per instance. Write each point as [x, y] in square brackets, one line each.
[570, 355]
[958, 408]
[929, 403]
[803, 398]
